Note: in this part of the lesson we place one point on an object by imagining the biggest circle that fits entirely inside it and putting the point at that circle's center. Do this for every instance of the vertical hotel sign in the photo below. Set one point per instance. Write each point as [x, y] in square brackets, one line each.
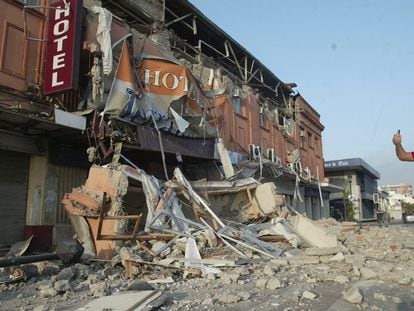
[61, 71]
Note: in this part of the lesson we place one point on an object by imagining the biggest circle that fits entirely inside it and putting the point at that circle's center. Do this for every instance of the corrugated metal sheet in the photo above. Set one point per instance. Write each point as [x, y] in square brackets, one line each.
[67, 179]
[14, 168]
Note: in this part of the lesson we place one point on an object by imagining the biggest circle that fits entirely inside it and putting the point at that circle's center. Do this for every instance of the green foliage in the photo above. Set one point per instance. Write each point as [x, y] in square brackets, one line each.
[407, 207]
[349, 207]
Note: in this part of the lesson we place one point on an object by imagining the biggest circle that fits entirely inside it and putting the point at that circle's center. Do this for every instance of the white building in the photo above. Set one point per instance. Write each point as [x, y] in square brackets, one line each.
[396, 195]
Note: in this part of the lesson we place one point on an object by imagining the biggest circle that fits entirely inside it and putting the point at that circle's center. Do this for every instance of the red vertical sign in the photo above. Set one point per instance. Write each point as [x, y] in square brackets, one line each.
[61, 71]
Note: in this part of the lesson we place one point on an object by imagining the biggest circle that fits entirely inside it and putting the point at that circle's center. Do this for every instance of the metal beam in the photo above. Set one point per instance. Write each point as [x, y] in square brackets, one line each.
[178, 19]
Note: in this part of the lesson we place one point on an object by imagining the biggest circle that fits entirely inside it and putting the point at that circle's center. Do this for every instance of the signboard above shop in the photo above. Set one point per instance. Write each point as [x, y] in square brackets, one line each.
[61, 71]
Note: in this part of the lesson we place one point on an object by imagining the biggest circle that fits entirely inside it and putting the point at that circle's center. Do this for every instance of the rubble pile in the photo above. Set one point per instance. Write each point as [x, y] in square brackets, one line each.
[175, 252]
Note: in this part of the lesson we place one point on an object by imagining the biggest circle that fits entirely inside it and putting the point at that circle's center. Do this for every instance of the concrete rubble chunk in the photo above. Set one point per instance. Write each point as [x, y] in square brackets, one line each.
[139, 285]
[229, 278]
[342, 279]
[303, 260]
[209, 301]
[123, 301]
[309, 295]
[227, 298]
[166, 280]
[321, 251]
[244, 295]
[66, 274]
[405, 281]
[380, 296]
[279, 262]
[62, 286]
[353, 295]
[355, 271]
[273, 283]
[268, 270]
[261, 283]
[368, 274]
[355, 260]
[338, 257]
[98, 289]
[48, 292]
[157, 246]
[311, 233]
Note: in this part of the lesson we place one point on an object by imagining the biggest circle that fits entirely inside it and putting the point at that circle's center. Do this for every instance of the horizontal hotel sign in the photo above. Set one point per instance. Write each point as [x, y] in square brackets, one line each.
[340, 163]
[63, 46]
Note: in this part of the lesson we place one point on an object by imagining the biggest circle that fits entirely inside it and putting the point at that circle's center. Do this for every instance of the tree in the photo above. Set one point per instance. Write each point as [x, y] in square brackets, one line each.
[408, 208]
[348, 206]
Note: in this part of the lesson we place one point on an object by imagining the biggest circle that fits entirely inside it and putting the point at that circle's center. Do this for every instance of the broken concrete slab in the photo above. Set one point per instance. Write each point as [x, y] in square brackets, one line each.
[311, 233]
[321, 251]
[267, 198]
[123, 301]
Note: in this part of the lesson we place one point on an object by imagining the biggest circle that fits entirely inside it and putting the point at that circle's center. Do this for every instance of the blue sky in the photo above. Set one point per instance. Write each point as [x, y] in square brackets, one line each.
[353, 62]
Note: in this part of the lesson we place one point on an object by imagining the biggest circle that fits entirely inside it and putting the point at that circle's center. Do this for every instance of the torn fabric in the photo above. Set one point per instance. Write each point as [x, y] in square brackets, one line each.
[103, 35]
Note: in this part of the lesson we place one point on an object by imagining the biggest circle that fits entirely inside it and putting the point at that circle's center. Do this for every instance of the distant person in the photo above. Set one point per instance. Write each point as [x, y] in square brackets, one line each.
[399, 150]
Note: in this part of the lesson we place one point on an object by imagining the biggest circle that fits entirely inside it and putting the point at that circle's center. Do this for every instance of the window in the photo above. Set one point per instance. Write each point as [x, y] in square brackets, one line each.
[237, 104]
[261, 119]
[316, 146]
[31, 2]
[309, 140]
[236, 100]
[302, 137]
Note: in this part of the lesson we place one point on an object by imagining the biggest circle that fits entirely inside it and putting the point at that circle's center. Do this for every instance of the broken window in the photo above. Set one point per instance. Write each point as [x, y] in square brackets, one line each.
[236, 100]
[262, 120]
[309, 140]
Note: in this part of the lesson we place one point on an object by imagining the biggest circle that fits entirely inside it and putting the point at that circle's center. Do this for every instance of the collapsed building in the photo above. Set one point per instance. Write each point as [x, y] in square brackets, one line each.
[150, 86]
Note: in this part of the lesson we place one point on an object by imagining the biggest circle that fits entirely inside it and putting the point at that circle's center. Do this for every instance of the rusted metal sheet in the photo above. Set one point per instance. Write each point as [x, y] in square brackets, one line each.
[196, 147]
[68, 178]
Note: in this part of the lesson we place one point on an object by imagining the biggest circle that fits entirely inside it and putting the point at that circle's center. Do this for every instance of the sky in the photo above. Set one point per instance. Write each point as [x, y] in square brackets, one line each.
[353, 61]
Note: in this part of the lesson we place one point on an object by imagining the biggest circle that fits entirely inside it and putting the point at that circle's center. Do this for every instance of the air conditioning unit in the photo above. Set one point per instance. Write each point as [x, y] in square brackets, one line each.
[271, 154]
[252, 149]
[302, 133]
[236, 92]
[257, 152]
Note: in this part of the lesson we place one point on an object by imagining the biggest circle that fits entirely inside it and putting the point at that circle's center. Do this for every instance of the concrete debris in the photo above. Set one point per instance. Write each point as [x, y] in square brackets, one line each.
[353, 295]
[123, 302]
[321, 251]
[309, 295]
[200, 257]
[313, 234]
[338, 257]
[227, 298]
[274, 283]
[343, 279]
[380, 296]
[368, 274]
